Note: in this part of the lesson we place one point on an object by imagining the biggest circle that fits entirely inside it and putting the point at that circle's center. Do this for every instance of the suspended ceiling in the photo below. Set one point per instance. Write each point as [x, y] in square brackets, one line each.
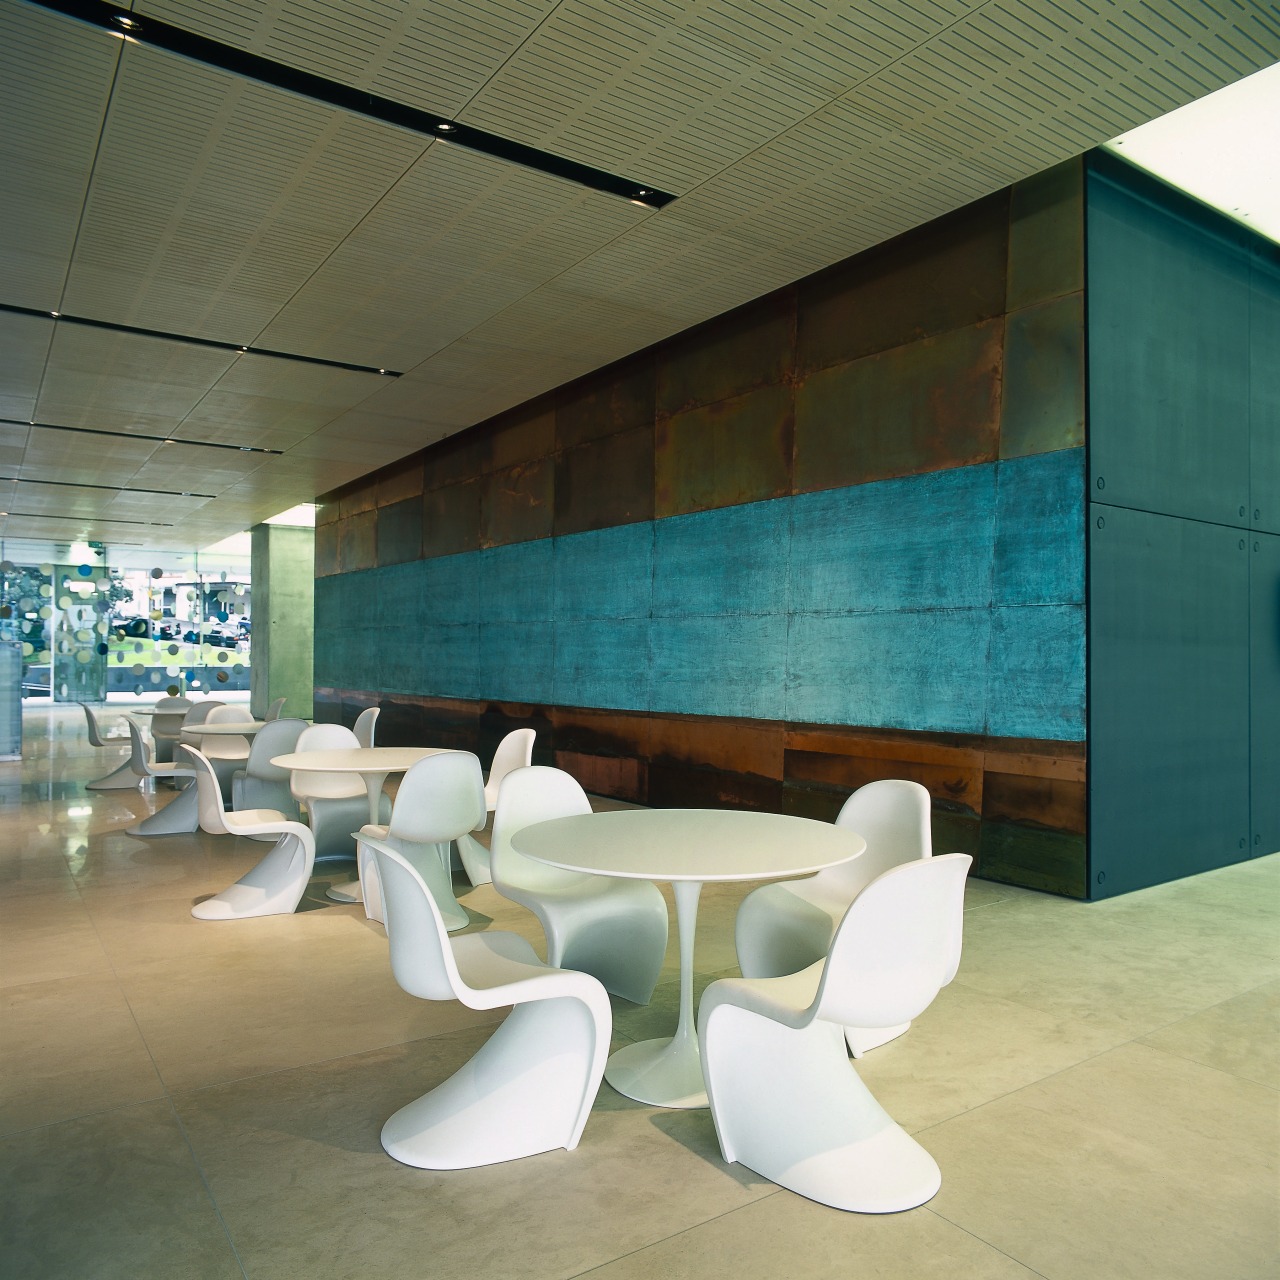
[148, 192]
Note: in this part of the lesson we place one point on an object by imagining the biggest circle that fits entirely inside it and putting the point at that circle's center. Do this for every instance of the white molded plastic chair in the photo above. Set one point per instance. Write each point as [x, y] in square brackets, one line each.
[226, 754]
[198, 714]
[440, 798]
[783, 928]
[336, 804]
[122, 777]
[515, 751]
[261, 784]
[179, 816]
[274, 710]
[166, 726]
[785, 1098]
[614, 929]
[366, 725]
[276, 885]
[530, 1088]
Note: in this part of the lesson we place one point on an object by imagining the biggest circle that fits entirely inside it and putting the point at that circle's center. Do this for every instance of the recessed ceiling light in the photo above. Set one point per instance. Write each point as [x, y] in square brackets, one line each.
[445, 127]
[54, 314]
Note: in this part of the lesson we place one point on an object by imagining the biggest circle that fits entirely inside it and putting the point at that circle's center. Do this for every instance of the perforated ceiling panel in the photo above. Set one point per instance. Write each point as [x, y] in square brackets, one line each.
[469, 235]
[24, 345]
[431, 56]
[54, 80]
[216, 198]
[124, 382]
[795, 132]
[73, 456]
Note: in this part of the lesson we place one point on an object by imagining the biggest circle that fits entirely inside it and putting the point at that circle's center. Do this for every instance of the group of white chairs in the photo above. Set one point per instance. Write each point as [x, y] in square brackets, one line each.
[848, 956]
[838, 962]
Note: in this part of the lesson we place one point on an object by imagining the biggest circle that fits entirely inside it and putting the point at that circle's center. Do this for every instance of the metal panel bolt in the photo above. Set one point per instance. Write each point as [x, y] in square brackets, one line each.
[1102, 524]
[1102, 484]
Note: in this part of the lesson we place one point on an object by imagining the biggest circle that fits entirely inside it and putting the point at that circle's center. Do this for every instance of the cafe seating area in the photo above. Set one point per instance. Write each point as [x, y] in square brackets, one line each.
[259, 1072]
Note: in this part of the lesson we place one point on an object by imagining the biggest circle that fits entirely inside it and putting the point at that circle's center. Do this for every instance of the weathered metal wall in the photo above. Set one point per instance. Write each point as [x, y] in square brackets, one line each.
[834, 535]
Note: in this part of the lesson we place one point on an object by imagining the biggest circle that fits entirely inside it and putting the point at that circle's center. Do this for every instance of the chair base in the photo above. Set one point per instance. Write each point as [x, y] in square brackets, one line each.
[475, 860]
[523, 1093]
[273, 888]
[181, 816]
[789, 1105]
[121, 778]
[862, 1040]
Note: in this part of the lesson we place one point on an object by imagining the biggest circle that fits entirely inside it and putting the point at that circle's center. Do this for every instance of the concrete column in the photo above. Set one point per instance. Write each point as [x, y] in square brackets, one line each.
[283, 566]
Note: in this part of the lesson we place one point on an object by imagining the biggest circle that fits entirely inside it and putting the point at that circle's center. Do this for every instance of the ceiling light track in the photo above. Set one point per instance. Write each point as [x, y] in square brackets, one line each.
[138, 435]
[109, 488]
[94, 523]
[161, 35]
[62, 317]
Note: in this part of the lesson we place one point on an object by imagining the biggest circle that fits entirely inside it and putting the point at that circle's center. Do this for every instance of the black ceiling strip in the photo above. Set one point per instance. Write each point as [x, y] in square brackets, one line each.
[110, 488]
[91, 520]
[161, 35]
[137, 435]
[61, 317]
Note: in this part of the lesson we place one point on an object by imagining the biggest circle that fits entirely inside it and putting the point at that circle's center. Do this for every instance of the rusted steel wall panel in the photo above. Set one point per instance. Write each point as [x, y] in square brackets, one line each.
[451, 519]
[358, 542]
[517, 504]
[1046, 235]
[949, 274]
[1043, 405]
[400, 480]
[605, 482]
[922, 407]
[733, 451]
[400, 531]
[749, 348]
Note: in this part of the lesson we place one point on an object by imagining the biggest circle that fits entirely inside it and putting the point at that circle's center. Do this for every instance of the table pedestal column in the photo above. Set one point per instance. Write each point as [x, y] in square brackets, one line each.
[353, 890]
[668, 1073]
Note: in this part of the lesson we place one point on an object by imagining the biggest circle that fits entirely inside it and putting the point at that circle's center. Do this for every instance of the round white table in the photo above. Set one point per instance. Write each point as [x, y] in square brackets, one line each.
[373, 764]
[234, 728]
[688, 847]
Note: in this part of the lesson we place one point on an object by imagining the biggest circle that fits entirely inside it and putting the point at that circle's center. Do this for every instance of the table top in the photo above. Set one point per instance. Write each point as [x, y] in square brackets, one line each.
[357, 759]
[688, 844]
[241, 728]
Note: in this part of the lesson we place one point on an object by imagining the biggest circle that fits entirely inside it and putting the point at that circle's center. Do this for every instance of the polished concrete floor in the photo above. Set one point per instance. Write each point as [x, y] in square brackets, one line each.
[181, 1098]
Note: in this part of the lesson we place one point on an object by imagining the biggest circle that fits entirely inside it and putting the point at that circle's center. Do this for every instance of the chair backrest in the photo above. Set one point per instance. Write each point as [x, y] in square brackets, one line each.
[893, 817]
[421, 957]
[168, 717]
[198, 714]
[139, 752]
[274, 710]
[95, 734]
[897, 946]
[208, 794]
[365, 726]
[232, 746]
[277, 738]
[312, 784]
[515, 751]
[534, 794]
[440, 798]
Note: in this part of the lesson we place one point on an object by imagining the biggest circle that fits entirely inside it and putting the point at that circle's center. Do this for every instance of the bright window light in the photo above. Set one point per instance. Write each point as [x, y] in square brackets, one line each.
[303, 514]
[1222, 149]
[238, 544]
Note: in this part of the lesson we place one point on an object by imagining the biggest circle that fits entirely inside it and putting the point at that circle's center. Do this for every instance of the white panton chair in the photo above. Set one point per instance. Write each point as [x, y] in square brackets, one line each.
[785, 1098]
[261, 784]
[611, 928]
[276, 885]
[166, 726]
[515, 751]
[530, 1088]
[178, 817]
[366, 725]
[274, 710]
[440, 798]
[336, 804]
[783, 928]
[226, 753]
[122, 777]
[198, 714]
